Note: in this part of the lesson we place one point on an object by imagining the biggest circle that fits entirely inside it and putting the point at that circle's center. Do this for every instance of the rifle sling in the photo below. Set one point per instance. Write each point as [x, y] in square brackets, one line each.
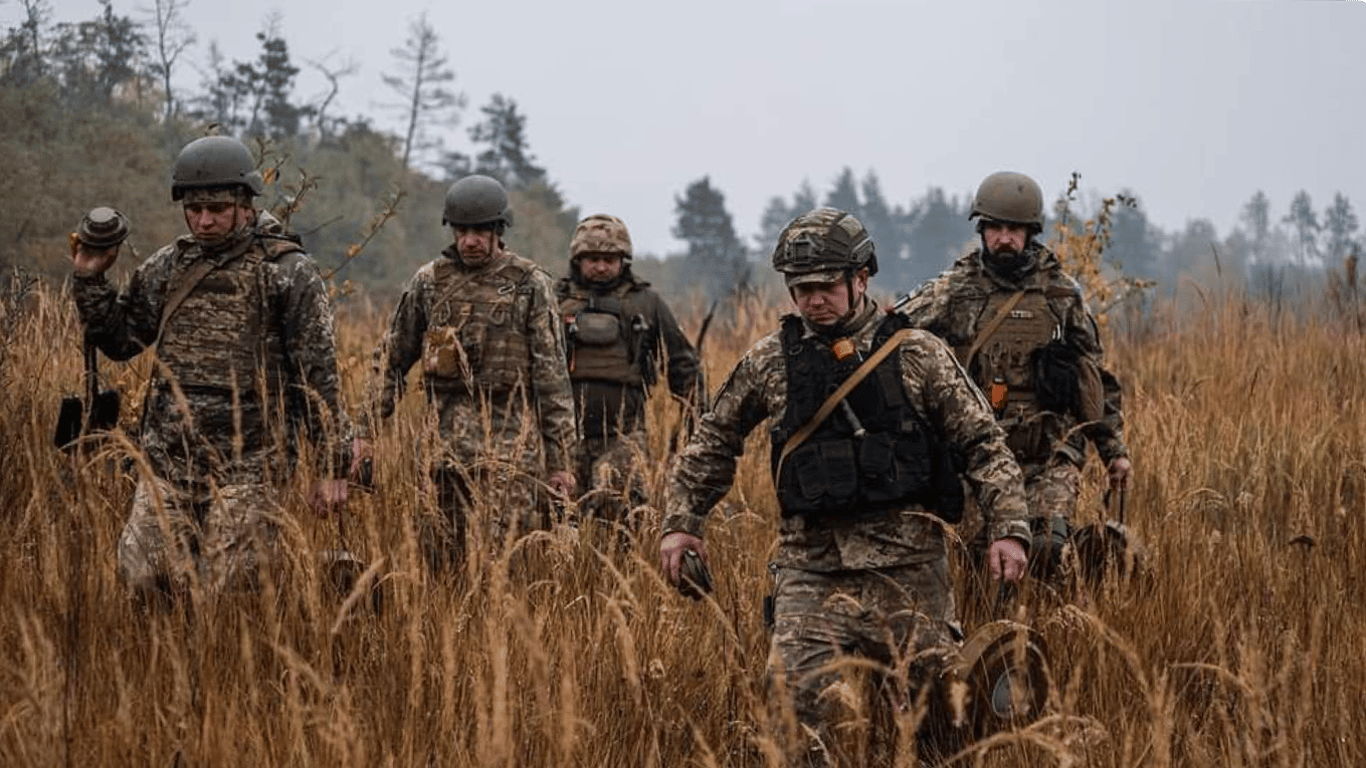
[833, 401]
[985, 335]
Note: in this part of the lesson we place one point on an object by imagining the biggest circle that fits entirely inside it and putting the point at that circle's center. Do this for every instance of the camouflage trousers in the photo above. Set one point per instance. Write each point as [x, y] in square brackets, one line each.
[901, 618]
[479, 508]
[217, 539]
[608, 472]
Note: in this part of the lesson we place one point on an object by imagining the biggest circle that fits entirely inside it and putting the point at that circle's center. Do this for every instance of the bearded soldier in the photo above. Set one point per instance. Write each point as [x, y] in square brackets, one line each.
[483, 322]
[870, 423]
[1020, 327]
[619, 333]
[242, 329]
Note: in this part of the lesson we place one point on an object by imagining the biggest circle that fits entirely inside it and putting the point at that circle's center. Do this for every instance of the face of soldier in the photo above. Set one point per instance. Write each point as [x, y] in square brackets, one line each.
[477, 246]
[1003, 238]
[211, 222]
[600, 267]
[830, 303]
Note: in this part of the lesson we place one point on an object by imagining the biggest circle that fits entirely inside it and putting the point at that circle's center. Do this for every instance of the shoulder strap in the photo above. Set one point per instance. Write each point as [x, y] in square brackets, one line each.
[985, 335]
[188, 281]
[832, 402]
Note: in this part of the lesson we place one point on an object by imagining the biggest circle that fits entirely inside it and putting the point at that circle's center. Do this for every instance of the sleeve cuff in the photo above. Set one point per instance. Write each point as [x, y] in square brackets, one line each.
[684, 522]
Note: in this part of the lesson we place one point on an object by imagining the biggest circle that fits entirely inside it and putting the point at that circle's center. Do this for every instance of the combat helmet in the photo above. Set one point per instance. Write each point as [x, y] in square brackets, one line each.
[821, 241]
[477, 201]
[601, 233]
[1009, 197]
[215, 161]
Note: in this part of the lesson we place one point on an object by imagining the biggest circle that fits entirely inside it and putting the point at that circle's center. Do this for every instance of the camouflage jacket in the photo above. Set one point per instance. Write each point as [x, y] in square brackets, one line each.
[647, 337]
[500, 324]
[961, 302]
[941, 395]
[261, 318]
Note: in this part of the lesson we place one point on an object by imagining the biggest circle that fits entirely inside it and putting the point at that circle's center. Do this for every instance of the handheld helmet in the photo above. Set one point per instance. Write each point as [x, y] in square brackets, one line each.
[477, 201]
[1009, 197]
[822, 241]
[215, 161]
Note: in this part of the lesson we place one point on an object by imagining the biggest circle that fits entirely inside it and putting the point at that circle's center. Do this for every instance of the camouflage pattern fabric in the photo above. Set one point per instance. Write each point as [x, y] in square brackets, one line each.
[943, 397]
[235, 530]
[954, 306]
[611, 382]
[902, 618]
[504, 413]
[245, 367]
[872, 585]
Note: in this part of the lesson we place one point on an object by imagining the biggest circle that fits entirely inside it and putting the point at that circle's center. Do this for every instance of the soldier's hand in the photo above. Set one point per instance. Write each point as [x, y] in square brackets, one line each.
[89, 262]
[671, 549]
[1119, 471]
[1006, 560]
[328, 496]
[562, 483]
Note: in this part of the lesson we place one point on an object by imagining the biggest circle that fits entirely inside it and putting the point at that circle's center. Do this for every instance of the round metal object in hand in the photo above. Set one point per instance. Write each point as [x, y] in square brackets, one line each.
[1005, 668]
[1103, 549]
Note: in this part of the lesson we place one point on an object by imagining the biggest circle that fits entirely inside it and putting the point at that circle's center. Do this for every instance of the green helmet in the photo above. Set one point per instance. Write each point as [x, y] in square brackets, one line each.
[1009, 197]
[477, 201]
[823, 240]
[215, 161]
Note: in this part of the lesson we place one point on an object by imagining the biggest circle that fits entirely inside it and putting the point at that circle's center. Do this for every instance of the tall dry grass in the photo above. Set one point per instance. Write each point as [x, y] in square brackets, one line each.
[1244, 650]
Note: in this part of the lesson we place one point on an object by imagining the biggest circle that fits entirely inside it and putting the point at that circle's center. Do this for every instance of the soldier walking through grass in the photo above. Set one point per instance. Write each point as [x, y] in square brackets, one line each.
[242, 331]
[869, 423]
[1019, 325]
[619, 334]
[484, 323]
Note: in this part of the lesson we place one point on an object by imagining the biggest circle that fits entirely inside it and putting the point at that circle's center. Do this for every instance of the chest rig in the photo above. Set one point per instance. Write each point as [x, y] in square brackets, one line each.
[602, 331]
[486, 312]
[873, 456]
[223, 336]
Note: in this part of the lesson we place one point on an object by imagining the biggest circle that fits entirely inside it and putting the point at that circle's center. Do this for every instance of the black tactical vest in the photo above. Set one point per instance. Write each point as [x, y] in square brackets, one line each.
[889, 460]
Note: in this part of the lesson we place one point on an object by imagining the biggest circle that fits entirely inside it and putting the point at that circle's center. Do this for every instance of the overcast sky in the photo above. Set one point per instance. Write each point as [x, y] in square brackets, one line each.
[1194, 105]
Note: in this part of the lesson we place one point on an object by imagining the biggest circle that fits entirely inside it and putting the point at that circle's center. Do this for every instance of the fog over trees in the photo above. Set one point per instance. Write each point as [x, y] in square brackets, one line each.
[90, 114]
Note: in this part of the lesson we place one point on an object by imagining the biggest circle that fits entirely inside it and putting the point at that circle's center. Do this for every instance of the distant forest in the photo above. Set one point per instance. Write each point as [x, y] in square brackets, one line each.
[90, 114]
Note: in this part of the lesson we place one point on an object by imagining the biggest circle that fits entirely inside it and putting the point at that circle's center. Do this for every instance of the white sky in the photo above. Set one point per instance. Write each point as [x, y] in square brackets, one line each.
[1192, 104]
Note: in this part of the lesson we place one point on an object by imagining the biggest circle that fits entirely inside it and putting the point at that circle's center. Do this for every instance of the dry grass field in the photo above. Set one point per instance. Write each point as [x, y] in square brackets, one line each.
[1248, 436]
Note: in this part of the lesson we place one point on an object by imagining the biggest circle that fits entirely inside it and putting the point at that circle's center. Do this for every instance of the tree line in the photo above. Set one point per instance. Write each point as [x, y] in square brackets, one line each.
[90, 114]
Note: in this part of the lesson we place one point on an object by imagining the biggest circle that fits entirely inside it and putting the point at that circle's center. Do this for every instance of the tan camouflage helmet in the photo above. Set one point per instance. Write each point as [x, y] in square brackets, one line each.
[823, 245]
[1009, 197]
[601, 233]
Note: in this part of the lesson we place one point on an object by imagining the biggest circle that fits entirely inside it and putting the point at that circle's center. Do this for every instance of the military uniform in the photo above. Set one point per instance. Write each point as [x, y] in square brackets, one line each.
[494, 369]
[862, 563]
[615, 335]
[1048, 321]
[245, 365]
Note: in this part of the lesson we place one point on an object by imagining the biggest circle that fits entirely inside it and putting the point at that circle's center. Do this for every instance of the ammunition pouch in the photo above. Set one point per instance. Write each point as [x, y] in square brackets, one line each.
[1050, 536]
[1057, 375]
[597, 329]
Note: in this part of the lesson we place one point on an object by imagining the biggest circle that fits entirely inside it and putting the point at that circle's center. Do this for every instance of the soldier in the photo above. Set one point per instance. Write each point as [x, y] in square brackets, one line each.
[245, 364]
[1020, 327]
[863, 460]
[616, 329]
[483, 322]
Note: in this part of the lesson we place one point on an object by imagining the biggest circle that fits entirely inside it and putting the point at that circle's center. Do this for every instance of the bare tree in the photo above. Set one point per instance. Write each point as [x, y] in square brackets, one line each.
[422, 85]
[334, 76]
[173, 36]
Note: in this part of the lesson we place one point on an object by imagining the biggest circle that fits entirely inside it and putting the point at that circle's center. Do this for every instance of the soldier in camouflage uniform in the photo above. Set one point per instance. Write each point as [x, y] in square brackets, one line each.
[242, 329]
[616, 329]
[483, 322]
[1020, 327]
[862, 566]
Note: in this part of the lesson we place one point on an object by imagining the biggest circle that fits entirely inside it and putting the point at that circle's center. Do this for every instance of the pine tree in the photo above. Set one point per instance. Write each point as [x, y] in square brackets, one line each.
[422, 84]
[1339, 225]
[715, 254]
[1304, 228]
